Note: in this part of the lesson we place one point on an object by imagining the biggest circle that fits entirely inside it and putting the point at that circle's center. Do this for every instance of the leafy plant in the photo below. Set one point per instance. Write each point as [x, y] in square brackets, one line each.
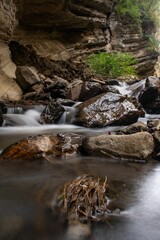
[153, 43]
[138, 10]
[112, 64]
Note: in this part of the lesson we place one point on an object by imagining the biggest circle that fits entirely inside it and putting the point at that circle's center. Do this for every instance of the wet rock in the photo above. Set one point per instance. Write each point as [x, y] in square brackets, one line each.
[43, 147]
[108, 109]
[65, 102]
[133, 146]
[3, 107]
[134, 128]
[112, 82]
[52, 113]
[153, 107]
[150, 93]
[90, 90]
[26, 78]
[109, 88]
[1, 118]
[75, 89]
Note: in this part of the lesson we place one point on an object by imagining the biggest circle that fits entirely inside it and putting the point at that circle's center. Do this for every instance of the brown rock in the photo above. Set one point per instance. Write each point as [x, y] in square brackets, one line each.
[90, 90]
[134, 128]
[43, 147]
[26, 78]
[133, 146]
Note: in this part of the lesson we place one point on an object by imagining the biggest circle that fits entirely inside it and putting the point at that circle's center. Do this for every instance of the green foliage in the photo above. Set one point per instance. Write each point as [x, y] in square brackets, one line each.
[112, 64]
[153, 43]
[130, 8]
[138, 9]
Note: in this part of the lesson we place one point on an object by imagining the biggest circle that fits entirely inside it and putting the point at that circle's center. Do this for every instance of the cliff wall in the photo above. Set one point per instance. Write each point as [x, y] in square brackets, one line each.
[63, 30]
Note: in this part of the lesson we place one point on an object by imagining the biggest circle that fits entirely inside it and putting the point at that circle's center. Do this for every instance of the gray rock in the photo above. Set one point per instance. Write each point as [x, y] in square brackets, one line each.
[134, 146]
[108, 109]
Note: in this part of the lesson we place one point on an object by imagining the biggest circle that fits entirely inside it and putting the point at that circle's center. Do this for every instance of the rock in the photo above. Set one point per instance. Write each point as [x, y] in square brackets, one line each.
[3, 107]
[58, 88]
[90, 90]
[29, 95]
[9, 89]
[133, 146]
[156, 136]
[7, 19]
[154, 125]
[52, 113]
[134, 128]
[75, 89]
[38, 88]
[153, 107]
[26, 78]
[107, 109]
[1, 117]
[150, 93]
[65, 102]
[43, 147]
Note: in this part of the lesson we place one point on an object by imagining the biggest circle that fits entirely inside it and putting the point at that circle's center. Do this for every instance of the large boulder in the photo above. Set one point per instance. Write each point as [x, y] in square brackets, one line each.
[108, 109]
[133, 146]
[51, 113]
[43, 147]
[26, 78]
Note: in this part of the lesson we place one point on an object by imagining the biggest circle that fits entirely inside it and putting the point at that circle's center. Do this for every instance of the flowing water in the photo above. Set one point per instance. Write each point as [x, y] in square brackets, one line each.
[27, 189]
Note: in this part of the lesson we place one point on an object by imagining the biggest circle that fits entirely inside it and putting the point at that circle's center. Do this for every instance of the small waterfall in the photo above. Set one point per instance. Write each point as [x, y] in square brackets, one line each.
[29, 118]
[15, 110]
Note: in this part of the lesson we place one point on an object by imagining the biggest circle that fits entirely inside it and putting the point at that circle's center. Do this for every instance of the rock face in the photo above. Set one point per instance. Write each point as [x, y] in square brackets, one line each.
[128, 36]
[135, 146]
[107, 109]
[54, 36]
[42, 147]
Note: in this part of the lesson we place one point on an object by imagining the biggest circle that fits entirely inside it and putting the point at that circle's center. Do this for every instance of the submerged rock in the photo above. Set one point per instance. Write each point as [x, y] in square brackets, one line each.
[51, 113]
[108, 109]
[133, 146]
[43, 147]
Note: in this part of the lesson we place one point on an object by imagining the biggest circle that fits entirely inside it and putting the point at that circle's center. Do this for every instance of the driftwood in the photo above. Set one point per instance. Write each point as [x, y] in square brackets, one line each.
[84, 199]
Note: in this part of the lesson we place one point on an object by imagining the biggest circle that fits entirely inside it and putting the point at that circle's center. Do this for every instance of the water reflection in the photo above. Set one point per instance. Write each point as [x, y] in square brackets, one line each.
[141, 221]
[25, 214]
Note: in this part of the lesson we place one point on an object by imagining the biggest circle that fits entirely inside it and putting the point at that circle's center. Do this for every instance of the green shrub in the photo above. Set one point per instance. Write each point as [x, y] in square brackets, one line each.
[112, 64]
[153, 43]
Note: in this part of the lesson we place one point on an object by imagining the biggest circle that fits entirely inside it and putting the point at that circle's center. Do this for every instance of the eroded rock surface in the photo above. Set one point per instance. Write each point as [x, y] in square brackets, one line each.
[108, 109]
[135, 146]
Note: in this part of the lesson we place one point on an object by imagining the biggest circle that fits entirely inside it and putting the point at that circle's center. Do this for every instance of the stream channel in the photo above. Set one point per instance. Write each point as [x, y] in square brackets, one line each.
[24, 213]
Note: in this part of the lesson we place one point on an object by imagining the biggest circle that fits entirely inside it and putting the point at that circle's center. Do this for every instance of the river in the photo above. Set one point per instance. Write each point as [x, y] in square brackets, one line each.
[26, 190]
